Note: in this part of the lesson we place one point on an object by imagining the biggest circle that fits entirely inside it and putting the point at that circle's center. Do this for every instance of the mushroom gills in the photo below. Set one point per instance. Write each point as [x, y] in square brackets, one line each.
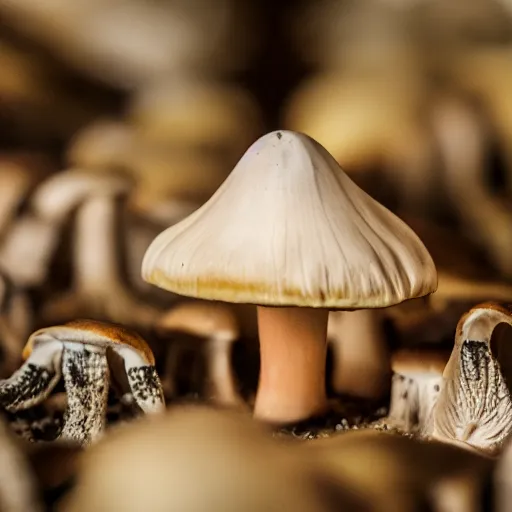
[86, 379]
[35, 380]
[476, 406]
[143, 380]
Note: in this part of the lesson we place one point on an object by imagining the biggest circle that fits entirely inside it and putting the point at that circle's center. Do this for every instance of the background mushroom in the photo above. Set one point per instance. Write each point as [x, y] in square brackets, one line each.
[98, 287]
[361, 360]
[251, 226]
[417, 382]
[475, 403]
[217, 324]
[77, 351]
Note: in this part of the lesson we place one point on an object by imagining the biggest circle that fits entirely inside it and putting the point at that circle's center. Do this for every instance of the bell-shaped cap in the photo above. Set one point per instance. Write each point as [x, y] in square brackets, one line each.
[289, 228]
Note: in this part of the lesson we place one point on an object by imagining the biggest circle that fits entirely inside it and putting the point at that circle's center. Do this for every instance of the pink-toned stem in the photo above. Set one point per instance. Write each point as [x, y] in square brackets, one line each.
[293, 354]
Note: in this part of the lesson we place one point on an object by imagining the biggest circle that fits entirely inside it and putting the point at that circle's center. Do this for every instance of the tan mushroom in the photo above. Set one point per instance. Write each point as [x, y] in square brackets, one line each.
[417, 382]
[201, 460]
[217, 324]
[474, 407]
[77, 352]
[361, 359]
[274, 234]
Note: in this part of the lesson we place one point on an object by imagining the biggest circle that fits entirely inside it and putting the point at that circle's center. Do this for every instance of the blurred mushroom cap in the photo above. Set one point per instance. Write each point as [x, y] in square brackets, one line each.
[193, 459]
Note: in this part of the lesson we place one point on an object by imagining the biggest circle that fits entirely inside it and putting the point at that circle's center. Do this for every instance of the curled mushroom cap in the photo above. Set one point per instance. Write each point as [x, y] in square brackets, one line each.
[289, 228]
[195, 459]
[417, 381]
[77, 351]
[475, 404]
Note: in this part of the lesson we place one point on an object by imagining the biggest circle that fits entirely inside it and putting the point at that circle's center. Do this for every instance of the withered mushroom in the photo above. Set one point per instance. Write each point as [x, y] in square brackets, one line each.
[99, 290]
[416, 384]
[77, 352]
[475, 404]
[361, 360]
[217, 324]
[200, 460]
[289, 228]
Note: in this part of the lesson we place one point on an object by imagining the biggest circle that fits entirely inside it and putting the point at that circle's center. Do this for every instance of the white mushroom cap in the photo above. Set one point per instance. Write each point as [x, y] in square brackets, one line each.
[288, 227]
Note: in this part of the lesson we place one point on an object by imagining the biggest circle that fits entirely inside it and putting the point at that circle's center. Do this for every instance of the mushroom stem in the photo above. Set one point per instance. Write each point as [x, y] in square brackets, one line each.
[221, 386]
[95, 248]
[293, 352]
[361, 358]
[86, 379]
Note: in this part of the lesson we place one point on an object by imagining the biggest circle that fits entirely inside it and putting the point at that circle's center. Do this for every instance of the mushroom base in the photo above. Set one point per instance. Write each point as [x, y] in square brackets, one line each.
[293, 352]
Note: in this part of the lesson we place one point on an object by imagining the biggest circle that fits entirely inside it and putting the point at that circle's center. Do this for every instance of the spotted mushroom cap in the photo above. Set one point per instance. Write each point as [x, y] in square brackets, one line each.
[289, 228]
[91, 332]
[409, 361]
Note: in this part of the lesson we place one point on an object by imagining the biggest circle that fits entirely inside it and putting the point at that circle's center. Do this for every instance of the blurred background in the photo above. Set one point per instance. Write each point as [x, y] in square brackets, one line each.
[120, 117]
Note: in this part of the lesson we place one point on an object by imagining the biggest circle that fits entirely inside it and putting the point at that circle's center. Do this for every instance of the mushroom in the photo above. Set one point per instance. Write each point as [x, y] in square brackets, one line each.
[77, 352]
[98, 288]
[218, 325]
[288, 228]
[397, 473]
[417, 381]
[475, 404]
[361, 358]
[201, 460]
